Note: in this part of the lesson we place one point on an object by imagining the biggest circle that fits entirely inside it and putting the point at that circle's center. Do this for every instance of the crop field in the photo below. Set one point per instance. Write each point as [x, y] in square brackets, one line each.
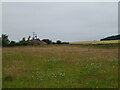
[59, 66]
[96, 42]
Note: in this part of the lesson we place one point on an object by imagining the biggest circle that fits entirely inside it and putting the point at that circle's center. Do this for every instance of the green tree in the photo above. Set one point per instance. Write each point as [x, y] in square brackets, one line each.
[29, 38]
[23, 42]
[58, 42]
[65, 42]
[12, 43]
[5, 40]
[47, 41]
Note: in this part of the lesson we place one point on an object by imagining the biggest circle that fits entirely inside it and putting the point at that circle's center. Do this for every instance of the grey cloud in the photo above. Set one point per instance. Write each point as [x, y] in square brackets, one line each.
[64, 21]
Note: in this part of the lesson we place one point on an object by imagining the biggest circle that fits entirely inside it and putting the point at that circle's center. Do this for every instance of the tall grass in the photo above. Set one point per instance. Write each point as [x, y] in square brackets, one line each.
[60, 66]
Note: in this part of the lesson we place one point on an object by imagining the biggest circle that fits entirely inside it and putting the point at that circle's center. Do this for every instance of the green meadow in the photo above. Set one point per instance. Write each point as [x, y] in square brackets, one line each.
[60, 66]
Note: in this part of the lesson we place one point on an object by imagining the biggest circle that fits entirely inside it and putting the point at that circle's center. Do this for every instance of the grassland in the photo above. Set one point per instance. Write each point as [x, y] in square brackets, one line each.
[60, 66]
[96, 42]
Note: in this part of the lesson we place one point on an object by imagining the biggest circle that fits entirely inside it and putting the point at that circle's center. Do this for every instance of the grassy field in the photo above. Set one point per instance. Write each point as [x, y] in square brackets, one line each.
[96, 42]
[60, 66]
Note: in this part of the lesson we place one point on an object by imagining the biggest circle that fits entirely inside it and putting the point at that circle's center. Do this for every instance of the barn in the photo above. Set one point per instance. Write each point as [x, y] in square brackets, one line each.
[37, 42]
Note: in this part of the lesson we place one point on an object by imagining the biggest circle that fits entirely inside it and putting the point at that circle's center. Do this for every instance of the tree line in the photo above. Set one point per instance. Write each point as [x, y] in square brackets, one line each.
[116, 37]
[5, 42]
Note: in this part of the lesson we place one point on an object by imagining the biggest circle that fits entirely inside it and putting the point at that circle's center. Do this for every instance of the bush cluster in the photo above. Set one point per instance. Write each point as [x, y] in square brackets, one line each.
[4, 42]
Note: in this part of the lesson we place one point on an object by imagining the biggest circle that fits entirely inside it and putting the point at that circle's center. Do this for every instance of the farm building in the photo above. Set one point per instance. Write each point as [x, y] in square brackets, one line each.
[37, 42]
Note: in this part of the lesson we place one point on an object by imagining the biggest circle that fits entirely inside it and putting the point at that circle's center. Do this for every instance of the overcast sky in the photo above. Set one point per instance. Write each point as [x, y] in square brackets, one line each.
[60, 21]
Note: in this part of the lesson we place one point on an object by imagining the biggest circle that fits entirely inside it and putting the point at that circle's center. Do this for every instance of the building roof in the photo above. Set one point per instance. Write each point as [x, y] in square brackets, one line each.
[37, 41]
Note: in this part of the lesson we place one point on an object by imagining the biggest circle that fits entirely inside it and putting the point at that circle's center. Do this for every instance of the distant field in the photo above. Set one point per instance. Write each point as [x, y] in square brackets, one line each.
[60, 66]
[96, 42]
